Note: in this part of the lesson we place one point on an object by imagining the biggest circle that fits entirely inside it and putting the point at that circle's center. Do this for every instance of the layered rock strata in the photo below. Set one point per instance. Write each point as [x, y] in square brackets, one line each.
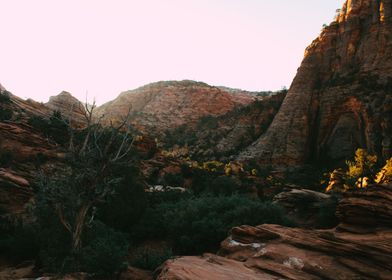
[359, 248]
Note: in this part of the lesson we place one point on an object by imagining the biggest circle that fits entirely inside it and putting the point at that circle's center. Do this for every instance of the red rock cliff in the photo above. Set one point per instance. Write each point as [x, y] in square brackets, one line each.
[341, 97]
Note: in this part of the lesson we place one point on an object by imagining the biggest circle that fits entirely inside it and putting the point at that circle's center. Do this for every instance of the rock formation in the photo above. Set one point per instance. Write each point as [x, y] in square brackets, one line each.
[341, 97]
[68, 106]
[304, 206]
[223, 136]
[158, 107]
[359, 248]
[22, 152]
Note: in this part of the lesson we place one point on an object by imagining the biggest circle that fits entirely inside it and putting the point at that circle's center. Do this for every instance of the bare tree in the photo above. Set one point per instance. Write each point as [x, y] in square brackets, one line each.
[90, 178]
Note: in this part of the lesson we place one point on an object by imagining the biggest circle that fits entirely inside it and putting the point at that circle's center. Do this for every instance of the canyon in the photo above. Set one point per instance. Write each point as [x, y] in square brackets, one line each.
[340, 100]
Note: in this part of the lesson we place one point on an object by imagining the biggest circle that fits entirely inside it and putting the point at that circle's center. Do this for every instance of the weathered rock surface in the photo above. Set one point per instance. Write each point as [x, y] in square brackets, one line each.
[303, 205]
[68, 106]
[277, 252]
[207, 267]
[223, 136]
[162, 106]
[341, 97]
[23, 151]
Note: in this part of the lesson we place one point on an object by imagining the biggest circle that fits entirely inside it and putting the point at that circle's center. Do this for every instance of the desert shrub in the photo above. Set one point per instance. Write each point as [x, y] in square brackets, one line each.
[127, 204]
[198, 224]
[326, 217]
[6, 158]
[385, 174]
[175, 180]
[19, 242]
[224, 185]
[55, 127]
[150, 258]
[359, 173]
[104, 252]
[5, 114]
[209, 122]
[202, 180]
[39, 123]
[5, 97]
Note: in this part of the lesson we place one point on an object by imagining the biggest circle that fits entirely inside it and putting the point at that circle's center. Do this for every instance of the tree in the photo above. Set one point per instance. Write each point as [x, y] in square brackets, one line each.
[385, 175]
[90, 176]
[361, 170]
[359, 174]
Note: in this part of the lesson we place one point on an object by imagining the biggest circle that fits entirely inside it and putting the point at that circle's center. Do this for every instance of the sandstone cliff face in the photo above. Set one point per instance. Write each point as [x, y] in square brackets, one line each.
[162, 106]
[69, 106]
[223, 136]
[23, 152]
[359, 248]
[341, 98]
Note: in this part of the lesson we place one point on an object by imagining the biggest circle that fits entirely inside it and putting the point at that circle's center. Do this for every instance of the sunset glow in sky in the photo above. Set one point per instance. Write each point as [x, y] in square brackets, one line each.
[104, 47]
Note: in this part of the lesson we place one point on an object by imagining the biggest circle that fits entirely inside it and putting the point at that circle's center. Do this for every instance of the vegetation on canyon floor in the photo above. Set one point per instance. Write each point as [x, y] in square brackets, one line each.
[93, 207]
[92, 213]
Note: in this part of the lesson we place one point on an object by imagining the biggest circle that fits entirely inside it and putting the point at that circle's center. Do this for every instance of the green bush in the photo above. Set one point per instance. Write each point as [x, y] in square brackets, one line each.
[127, 205]
[6, 158]
[5, 114]
[5, 97]
[202, 180]
[19, 242]
[150, 258]
[175, 180]
[224, 185]
[104, 252]
[198, 224]
[54, 128]
[327, 214]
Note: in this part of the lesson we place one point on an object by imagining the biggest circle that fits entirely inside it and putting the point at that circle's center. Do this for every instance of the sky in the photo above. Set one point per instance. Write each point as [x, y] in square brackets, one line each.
[99, 48]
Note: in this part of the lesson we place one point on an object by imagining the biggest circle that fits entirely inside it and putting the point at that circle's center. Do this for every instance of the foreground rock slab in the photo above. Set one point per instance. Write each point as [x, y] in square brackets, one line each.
[206, 267]
[355, 249]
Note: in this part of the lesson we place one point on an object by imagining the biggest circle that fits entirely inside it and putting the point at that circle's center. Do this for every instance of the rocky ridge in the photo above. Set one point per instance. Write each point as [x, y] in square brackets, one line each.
[162, 106]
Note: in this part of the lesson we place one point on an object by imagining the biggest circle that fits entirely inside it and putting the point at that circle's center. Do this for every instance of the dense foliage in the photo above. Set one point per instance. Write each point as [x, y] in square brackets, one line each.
[359, 173]
[196, 224]
[55, 128]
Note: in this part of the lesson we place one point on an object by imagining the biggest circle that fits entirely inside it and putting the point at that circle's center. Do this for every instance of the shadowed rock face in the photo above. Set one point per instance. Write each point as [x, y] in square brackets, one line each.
[359, 248]
[341, 97]
[162, 106]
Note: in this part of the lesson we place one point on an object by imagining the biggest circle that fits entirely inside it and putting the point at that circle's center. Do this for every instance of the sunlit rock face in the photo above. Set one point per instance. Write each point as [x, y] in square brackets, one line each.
[162, 106]
[341, 97]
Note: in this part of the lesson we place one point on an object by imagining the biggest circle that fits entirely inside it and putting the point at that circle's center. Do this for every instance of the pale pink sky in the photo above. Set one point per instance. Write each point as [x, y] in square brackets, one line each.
[108, 46]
